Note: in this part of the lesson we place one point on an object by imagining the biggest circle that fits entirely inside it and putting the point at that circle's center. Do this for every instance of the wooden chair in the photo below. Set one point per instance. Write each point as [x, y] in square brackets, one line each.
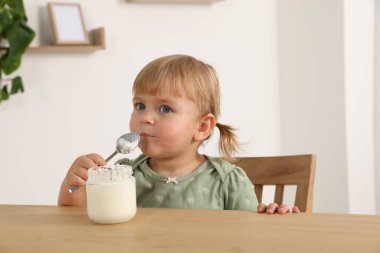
[296, 170]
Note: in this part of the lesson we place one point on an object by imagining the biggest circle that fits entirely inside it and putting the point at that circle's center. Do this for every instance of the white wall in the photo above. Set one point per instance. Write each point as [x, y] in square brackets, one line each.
[377, 102]
[359, 20]
[312, 98]
[76, 103]
[326, 80]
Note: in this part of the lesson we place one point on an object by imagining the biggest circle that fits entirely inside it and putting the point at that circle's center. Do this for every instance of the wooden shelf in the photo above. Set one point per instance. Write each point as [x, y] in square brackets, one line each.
[175, 1]
[98, 43]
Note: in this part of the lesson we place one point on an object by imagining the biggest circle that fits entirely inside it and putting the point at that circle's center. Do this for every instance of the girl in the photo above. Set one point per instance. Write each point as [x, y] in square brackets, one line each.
[176, 108]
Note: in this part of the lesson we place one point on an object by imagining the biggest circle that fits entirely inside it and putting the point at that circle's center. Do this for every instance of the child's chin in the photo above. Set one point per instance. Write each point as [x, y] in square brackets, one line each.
[149, 152]
[155, 154]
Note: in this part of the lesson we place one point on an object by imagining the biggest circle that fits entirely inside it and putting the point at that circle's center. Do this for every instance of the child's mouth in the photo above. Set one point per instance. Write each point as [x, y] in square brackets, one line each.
[145, 135]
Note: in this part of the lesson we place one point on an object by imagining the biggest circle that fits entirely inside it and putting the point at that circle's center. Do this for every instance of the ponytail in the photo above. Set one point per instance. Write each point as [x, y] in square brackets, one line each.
[228, 144]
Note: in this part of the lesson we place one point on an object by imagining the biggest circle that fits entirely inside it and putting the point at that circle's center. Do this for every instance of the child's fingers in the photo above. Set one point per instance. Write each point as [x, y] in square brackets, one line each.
[295, 209]
[75, 180]
[89, 161]
[97, 159]
[272, 208]
[85, 163]
[77, 175]
[283, 209]
[82, 173]
[261, 208]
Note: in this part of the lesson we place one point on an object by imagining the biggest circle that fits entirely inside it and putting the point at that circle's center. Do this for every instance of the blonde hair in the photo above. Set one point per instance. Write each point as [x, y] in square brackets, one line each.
[185, 76]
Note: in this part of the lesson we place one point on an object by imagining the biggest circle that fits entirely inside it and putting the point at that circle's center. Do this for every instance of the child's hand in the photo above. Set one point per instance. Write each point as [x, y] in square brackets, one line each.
[275, 208]
[77, 174]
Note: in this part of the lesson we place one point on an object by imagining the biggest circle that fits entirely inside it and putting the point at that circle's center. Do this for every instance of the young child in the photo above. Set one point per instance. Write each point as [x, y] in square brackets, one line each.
[176, 108]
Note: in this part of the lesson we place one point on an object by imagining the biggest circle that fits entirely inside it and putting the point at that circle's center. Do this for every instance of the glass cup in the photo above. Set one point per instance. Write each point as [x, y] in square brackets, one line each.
[111, 194]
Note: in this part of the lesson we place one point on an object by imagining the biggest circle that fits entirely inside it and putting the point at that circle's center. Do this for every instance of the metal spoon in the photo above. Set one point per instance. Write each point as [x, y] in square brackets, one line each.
[125, 144]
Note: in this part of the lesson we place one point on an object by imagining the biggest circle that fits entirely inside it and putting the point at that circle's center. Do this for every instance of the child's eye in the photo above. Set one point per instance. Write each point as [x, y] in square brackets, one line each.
[165, 109]
[139, 106]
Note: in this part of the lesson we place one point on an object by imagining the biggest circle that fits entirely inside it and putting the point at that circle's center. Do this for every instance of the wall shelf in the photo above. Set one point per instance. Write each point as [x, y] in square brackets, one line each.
[97, 43]
[175, 1]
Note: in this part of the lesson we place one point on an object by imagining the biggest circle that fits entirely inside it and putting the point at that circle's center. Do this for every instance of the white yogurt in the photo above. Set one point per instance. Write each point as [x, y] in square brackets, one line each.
[111, 194]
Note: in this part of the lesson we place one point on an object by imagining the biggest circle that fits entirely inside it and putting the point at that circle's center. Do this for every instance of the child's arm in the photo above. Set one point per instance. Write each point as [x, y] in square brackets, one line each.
[77, 176]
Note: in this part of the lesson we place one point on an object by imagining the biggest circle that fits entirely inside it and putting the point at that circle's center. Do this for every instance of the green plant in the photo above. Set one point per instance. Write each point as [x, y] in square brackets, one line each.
[15, 37]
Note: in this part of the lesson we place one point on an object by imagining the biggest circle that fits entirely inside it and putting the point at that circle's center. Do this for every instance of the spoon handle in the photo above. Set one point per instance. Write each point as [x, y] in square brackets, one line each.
[111, 156]
[73, 189]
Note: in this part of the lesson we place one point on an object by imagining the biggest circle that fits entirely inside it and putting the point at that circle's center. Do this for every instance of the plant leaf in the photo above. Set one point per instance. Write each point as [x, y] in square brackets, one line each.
[19, 36]
[17, 85]
[4, 95]
[18, 6]
[5, 19]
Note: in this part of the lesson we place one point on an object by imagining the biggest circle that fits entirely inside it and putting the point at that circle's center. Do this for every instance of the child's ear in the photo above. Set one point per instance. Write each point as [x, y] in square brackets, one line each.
[205, 127]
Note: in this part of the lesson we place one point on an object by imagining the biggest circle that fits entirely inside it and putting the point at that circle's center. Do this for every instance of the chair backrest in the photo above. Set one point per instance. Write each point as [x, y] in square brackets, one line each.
[296, 170]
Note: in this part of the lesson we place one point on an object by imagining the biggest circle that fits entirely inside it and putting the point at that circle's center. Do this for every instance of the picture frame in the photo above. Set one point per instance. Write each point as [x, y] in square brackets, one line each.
[67, 24]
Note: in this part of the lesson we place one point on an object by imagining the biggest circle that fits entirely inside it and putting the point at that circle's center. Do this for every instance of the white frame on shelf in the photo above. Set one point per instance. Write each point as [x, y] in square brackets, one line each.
[67, 24]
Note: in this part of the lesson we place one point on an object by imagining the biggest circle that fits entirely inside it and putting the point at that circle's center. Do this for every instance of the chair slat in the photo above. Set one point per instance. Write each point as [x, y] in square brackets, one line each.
[302, 202]
[259, 192]
[279, 194]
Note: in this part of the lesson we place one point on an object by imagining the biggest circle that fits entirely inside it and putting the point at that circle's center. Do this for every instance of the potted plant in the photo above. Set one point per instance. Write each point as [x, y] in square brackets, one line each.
[15, 37]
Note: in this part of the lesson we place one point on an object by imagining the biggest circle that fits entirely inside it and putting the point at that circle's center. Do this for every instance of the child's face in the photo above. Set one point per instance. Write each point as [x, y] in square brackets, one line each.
[165, 123]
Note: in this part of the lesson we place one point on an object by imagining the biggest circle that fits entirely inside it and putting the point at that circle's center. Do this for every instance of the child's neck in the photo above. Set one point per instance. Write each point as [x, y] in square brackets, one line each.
[176, 167]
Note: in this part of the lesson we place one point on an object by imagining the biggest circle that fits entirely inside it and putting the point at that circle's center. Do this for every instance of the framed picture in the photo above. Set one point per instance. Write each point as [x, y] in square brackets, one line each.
[67, 24]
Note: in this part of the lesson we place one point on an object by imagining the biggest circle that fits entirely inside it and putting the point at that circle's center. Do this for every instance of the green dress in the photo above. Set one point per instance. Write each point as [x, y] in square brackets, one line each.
[215, 184]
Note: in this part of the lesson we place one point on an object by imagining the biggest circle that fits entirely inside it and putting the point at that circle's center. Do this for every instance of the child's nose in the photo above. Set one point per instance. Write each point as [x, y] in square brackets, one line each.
[147, 118]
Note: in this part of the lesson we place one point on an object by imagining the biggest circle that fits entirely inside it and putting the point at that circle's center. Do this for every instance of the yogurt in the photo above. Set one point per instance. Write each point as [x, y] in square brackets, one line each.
[111, 194]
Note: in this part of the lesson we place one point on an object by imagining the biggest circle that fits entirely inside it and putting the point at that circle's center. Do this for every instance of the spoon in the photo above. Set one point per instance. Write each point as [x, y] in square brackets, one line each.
[125, 144]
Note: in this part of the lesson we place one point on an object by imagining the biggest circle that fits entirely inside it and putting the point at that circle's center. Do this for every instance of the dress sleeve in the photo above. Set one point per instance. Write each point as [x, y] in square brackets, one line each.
[239, 192]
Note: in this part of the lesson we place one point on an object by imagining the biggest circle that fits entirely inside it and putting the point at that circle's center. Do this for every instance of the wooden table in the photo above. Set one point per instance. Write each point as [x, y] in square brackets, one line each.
[67, 229]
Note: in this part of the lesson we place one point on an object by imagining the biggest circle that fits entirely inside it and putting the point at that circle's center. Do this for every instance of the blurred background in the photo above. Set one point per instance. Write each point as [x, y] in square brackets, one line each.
[297, 76]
